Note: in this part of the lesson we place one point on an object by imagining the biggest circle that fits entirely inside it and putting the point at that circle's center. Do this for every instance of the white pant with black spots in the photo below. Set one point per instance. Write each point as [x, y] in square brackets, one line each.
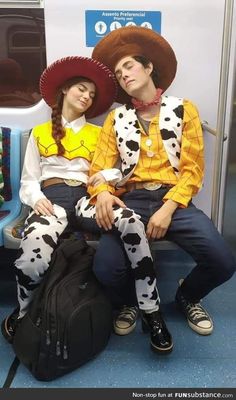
[40, 239]
[132, 233]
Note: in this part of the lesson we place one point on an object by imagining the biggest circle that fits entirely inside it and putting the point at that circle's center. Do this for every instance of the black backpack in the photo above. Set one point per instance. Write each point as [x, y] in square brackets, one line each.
[69, 320]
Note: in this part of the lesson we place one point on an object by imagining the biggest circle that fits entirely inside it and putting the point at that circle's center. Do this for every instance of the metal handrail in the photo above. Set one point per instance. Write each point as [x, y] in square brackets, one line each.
[213, 131]
[207, 128]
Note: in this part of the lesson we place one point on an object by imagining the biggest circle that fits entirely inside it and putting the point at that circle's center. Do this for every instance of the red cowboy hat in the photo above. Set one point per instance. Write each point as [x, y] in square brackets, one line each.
[66, 68]
[137, 41]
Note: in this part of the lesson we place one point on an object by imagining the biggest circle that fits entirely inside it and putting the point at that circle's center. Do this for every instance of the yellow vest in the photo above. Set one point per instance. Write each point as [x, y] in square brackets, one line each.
[80, 144]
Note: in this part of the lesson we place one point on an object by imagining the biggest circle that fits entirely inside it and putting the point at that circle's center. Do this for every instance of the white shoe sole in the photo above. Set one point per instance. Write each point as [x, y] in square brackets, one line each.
[124, 331]
[199, 330]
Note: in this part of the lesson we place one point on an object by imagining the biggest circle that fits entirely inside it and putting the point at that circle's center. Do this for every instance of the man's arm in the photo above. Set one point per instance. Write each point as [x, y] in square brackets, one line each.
[190, 177]
[191, 158]
[111, 175]
[105, 157]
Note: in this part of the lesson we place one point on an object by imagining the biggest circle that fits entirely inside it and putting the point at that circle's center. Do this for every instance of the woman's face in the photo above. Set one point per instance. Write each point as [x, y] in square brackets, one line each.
[132, 76]
[79, 97]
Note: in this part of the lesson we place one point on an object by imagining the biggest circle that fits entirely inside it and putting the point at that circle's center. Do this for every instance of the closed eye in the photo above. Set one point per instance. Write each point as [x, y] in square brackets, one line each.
[127, 66]
[84, 89]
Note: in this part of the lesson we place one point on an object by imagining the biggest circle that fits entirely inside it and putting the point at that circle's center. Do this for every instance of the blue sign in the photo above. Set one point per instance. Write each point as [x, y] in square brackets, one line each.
[100, 23]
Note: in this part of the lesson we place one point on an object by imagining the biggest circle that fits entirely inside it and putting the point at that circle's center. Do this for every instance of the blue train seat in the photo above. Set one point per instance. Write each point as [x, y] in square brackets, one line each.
[11, 168]
[13, 229]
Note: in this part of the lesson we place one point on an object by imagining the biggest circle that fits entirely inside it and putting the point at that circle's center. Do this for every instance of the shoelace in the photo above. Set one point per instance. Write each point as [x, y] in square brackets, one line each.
[196, 311]
[128, 313]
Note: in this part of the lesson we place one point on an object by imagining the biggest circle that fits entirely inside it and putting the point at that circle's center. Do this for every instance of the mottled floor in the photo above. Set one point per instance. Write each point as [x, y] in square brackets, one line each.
[127, 362]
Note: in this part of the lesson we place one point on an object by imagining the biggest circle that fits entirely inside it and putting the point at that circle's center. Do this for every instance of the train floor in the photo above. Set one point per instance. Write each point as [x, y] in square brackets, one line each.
[127, 361]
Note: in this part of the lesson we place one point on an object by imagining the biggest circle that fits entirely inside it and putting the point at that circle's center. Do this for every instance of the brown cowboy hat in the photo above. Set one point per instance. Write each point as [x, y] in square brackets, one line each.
[53, 78]
[137, 41]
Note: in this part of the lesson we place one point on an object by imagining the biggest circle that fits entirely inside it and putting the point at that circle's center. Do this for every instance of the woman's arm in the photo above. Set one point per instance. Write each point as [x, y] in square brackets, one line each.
[30, 190]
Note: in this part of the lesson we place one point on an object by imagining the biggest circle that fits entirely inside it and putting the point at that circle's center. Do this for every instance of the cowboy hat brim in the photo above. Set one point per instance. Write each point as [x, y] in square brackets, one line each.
[66, 68]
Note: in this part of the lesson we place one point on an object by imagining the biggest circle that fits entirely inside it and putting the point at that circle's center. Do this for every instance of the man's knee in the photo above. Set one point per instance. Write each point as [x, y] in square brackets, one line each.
[228, 269]
[108, 271]
[110, 262]
[224, 263]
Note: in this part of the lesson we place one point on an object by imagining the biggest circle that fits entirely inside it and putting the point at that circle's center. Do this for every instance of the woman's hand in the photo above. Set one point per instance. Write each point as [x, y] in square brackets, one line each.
[96, 179]
[43, 207]
[104, 209]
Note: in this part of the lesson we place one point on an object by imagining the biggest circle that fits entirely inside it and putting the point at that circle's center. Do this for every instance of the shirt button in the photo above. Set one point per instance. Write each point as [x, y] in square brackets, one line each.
[150, 154]
[149, 142]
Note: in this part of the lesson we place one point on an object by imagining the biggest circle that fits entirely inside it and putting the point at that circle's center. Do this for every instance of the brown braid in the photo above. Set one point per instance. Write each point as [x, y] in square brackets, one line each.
[58, 132]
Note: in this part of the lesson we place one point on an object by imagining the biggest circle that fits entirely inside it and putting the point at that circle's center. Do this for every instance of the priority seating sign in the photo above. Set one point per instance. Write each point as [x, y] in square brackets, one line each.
[100, 23]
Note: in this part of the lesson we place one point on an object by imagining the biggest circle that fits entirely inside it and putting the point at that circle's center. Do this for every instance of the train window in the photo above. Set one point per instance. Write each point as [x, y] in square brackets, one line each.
[22, 55]
[21, 39]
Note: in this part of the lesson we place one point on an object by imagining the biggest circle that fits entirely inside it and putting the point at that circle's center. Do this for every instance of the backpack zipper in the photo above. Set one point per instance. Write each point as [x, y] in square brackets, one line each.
[48, 336]
[58, 341]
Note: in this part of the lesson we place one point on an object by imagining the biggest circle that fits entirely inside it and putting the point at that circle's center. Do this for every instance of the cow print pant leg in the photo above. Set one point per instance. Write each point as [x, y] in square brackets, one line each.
[39, 240]
[132, 233]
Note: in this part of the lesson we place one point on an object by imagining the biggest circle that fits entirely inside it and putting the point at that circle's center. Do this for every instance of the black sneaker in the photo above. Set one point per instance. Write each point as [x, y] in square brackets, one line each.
[125, 322]
[198, 318]
[9, 325]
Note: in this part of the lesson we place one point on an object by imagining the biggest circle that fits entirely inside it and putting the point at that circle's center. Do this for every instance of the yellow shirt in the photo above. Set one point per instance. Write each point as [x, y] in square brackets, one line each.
[158, 167]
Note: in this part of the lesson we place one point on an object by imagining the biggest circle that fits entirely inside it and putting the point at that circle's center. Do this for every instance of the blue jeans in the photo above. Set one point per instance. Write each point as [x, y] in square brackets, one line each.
[190, 228]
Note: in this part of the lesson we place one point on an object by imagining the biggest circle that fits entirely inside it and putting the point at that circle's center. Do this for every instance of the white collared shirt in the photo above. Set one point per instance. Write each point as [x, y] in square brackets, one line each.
[75, 125]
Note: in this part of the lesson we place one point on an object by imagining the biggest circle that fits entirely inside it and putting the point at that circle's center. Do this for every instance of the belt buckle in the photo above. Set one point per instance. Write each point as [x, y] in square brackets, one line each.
[152, 186]
[72, 182]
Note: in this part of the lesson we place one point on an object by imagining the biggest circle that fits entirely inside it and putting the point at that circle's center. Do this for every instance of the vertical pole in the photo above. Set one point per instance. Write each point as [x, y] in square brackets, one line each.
[225, 58]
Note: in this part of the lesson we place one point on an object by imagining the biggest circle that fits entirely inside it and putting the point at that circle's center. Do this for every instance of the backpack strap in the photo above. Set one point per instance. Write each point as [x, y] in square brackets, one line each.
[11, 373]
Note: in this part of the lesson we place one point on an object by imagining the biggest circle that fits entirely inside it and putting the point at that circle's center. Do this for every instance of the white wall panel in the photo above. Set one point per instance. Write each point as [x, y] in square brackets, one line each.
[194, 28]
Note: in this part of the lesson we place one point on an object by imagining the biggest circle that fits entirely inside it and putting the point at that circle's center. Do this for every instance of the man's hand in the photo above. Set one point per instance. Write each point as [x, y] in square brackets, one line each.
[104, 209]
[160, 221]
[44, 207]
[96, 179]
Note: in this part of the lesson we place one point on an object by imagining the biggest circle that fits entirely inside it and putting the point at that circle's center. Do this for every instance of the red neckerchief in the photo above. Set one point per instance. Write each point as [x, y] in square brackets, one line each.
[140, 105]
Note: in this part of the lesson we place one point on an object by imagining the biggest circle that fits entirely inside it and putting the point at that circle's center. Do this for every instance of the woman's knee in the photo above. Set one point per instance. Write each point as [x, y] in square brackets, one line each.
[37, 246]
[42, 231]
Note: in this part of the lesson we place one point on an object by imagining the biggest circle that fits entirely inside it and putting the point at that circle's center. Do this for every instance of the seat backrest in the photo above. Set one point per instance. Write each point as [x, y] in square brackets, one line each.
[20, 213]
[11, 169]
[6, 165]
